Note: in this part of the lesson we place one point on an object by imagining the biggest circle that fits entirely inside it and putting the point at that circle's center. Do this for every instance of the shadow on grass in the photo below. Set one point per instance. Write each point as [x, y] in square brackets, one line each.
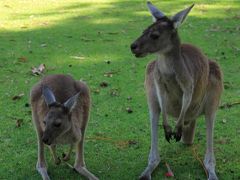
[80, 45]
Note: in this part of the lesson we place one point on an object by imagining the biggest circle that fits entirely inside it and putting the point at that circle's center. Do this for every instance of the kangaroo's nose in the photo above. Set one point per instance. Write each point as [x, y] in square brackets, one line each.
[134, 46]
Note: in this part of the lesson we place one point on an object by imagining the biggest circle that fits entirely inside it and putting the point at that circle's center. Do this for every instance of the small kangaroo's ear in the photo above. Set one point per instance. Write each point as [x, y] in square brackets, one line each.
[71, 103]
[156, 14]
[48, 95]
[180, 16]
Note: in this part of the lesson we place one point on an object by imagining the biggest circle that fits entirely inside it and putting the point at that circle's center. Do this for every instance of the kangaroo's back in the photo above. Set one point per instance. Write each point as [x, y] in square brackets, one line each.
[196, 62]
[198, 66]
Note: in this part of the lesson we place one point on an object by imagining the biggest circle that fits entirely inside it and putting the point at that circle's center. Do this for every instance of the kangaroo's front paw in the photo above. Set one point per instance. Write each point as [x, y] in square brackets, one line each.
[168, 132]
[178, 133]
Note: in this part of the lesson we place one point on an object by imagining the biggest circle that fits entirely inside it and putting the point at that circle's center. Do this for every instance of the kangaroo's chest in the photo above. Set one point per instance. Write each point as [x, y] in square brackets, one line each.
[69, 137]
[65, 139]
[169, 89]
[166, 77]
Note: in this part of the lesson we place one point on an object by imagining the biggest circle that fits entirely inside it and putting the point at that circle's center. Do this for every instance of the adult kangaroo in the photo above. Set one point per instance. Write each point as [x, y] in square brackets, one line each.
[182, 83]
[60, 110]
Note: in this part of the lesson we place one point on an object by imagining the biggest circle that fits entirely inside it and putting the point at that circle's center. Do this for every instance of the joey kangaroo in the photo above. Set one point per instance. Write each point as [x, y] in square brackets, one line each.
[60, 109]
[182, 83]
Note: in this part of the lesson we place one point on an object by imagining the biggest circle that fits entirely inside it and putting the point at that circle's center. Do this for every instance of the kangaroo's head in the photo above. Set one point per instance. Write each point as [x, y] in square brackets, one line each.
[58, 119]
[161, 36]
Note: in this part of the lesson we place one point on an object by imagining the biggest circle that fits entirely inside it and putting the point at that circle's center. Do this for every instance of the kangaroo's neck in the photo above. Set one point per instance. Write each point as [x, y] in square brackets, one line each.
[171, 59]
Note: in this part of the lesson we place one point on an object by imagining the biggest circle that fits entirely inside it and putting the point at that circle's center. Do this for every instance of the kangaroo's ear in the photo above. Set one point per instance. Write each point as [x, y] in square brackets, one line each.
[48, 95]
[71, 103]
[156, 14]
[180, 16]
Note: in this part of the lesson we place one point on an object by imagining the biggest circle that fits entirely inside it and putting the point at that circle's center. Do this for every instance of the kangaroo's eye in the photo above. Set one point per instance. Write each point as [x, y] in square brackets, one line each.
[57, 124]
[154, 35]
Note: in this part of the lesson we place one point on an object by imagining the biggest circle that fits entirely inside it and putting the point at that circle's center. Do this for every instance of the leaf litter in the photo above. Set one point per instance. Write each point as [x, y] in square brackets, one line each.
[17, 97]
[36, 71]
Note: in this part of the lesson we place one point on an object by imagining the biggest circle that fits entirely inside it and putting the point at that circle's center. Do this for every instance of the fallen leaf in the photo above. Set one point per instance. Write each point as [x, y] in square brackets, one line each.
[110, 73]
[125, 144]
[19, 123]
[228, 85]
[78, 57]
[132, 142]
[39, 70]
[104, 84]
[22, 59]
[224, 121]
[87, 40]
[41, 67]
[44, 23]
[113, 33]
[7, 6]
[224, 160]
[129, 110]
[97, 91]
[114, 92]
[44, 45]
[129, 98]
[229, 105]
[19, 96]
[121, 144]
[24, 27]
[107, 61]
[214, 28]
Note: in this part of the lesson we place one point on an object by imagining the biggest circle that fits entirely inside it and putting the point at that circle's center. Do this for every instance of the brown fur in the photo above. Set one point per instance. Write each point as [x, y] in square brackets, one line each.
[209, 68]
[181, 83]
[63, 87]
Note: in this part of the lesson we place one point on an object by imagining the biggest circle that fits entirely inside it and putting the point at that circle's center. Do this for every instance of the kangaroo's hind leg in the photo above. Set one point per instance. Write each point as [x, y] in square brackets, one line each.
[41, 162]
[189, 132]
[213, 97]
[56, 159]
[154, 112]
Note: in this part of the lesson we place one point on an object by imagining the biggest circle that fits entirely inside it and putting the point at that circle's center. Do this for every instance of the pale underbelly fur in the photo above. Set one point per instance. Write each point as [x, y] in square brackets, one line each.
[173, 99]
[67, 138]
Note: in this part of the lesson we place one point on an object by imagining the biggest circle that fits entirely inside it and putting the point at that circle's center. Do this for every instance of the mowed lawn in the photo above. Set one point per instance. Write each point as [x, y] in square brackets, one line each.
[90, 40]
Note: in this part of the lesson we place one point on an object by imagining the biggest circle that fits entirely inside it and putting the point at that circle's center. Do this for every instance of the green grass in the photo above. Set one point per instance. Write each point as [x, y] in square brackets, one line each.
[100, 31]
